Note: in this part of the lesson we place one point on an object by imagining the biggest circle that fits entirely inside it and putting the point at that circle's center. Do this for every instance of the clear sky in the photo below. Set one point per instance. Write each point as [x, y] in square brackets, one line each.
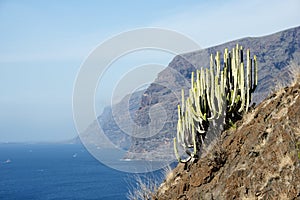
[43, 44]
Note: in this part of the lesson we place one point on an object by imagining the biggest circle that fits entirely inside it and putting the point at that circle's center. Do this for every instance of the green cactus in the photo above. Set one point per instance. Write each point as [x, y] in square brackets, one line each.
[298, 149]
[215, 92]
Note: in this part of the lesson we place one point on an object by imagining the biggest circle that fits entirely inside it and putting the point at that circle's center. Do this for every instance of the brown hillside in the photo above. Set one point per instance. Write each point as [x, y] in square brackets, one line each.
[259, 159]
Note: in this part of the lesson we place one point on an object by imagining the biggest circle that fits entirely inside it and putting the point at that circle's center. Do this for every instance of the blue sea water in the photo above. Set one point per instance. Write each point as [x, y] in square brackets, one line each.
[58, 171]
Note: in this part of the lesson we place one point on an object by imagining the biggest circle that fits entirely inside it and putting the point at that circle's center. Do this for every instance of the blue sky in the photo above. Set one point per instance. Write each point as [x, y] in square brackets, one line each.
[43, 44]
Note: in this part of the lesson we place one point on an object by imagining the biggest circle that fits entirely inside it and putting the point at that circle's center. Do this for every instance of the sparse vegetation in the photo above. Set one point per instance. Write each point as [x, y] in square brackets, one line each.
[298, 149]
[143, 189]
[218, 96]
[146, 186]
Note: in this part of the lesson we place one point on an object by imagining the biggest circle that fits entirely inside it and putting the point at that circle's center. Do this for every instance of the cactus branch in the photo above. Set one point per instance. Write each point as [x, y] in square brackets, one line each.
[215, 91]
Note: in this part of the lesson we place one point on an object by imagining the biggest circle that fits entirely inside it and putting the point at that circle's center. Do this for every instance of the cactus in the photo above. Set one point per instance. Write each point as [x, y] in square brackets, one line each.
[298, 149]
[215, 91]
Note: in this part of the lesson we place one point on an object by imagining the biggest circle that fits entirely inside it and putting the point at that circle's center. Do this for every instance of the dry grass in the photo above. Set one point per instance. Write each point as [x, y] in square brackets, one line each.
[146, 186]
[143, 189]
[292, 72]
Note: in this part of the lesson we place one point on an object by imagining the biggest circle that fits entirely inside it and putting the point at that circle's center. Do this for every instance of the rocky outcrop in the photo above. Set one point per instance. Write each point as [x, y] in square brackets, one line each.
[257, 159]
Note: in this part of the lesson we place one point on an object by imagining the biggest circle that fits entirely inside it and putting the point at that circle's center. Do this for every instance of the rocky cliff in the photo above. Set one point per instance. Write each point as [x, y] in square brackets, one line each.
[257, 159]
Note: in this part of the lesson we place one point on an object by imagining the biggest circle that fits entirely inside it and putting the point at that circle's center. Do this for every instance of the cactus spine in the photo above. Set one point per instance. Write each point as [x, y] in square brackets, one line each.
[214, 92]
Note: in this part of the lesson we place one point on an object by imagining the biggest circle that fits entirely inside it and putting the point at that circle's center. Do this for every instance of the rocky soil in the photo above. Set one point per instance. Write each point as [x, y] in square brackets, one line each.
[257, 159]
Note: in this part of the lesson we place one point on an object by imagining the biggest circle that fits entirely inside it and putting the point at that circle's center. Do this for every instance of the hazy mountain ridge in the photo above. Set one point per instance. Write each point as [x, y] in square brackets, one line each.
[108, 124]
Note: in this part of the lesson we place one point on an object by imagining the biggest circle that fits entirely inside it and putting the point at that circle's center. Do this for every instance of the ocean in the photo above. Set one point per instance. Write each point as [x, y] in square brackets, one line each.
[60, 171]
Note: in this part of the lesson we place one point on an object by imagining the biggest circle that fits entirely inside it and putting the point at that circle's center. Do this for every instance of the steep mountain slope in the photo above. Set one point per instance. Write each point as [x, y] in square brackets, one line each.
[259, 159]
[108, 124]
[278, 55]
